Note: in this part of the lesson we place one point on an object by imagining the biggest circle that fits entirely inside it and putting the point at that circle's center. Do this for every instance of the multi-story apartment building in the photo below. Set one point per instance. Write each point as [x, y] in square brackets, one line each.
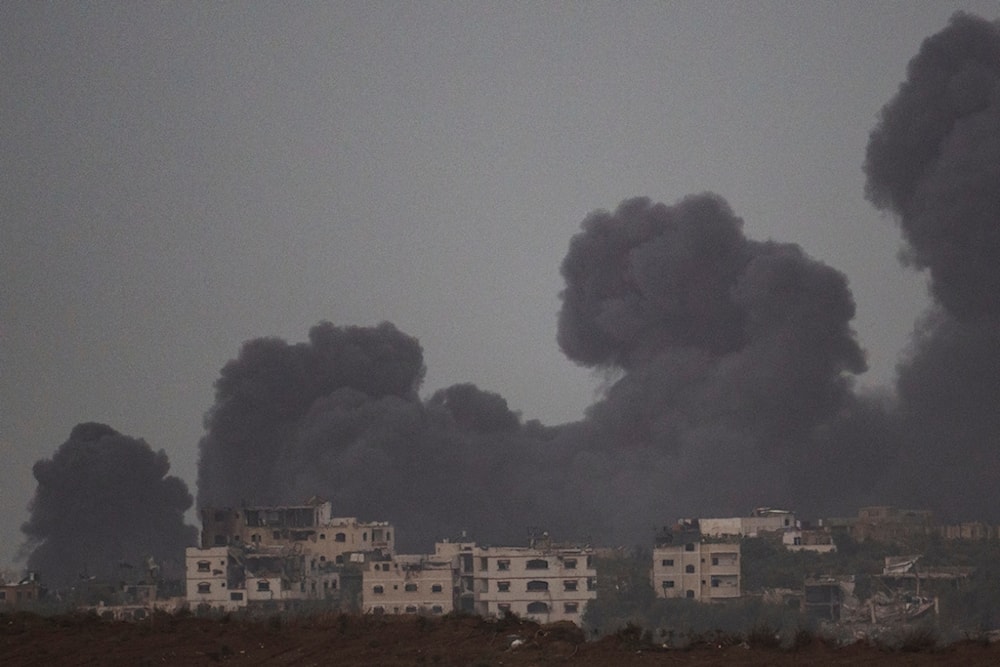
[408, 584]
[544, 582]
[687, 566]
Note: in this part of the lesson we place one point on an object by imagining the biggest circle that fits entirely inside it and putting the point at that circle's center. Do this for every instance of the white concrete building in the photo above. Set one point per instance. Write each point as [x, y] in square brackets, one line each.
[685, 566]
[408, 584]
[545, 583]
[211, 581]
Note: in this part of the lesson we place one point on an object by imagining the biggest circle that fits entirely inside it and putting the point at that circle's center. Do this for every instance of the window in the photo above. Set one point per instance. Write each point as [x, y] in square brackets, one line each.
[537, 585]
[204, 587]
[204, 566]
[220, 540]
[504, 608]
[3, 595]
[340, 537]
[715, 561]
[689, 569]
[263, 585]
[236, 597]
[689, 594]
[571, 607]
[715, 583]
[410, 588]
[689, 546]
[591, 584]
[339, 559]
[667, 562]
[378, 590]
[503, 564]
[411, 609]
[436, 588]
[538, 608]
[388, 536]
[569, 585]
[484, 564]
[569, 563]
[322, 536]
[437, 609]
[276, 534]
[378, 611]
[385, 567]
[364, 536]
[668, 583]
[503, 587]
[537, 564]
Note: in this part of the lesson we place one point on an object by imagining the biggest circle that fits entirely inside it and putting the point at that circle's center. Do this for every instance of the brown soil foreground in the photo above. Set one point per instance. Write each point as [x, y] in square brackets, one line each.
[334, 639]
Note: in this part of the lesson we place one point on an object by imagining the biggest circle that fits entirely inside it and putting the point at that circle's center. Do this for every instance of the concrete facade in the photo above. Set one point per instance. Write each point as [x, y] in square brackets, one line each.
[685, 566]
[544, 582]
[408, 584]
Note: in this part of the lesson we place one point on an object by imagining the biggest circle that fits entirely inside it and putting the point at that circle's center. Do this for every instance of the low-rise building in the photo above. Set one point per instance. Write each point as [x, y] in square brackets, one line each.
[818, 540]
[760, 520]
[686, 565]
[310, 528]
[545, 582]
[24, 593]
[408, 584]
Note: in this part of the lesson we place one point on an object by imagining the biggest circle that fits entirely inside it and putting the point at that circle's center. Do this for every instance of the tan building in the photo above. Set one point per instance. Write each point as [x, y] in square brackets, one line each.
[25, 593]
[818, 540]
[543, 582]
[311, 529]
[761, 520]
[685, 566]
[212, 581]
[408, 584]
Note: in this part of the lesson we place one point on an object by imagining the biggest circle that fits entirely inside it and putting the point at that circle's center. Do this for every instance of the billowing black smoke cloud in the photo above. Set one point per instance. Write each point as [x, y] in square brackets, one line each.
[104, 501]
[733, 361]
[934, 161]
[729, 366]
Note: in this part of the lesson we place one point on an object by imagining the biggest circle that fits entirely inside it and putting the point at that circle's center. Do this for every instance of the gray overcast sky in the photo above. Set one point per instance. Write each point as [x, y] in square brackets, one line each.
[178, 178]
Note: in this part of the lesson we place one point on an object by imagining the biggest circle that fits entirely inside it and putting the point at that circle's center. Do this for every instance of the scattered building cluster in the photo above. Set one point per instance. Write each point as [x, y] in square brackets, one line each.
[292, 557]
[276, 558]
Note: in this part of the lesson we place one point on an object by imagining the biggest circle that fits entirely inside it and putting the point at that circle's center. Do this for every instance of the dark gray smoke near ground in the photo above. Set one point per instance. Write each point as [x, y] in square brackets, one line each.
[104, 501]
[733, 360]
[934, 161]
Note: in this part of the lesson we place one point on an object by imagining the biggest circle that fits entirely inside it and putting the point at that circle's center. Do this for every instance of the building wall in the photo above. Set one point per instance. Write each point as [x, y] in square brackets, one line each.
[544, 584]
[311, 529]
[208, 580]
[701, 571]
[408, 585]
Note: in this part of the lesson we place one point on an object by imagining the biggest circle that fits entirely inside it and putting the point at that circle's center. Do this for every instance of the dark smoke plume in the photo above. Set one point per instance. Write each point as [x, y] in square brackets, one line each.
[934, 161]
[729, 366]
[104, 500]
[733, 360]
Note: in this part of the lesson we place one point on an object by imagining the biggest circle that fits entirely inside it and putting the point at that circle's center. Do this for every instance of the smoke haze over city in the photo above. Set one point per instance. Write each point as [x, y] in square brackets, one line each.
[712, 354]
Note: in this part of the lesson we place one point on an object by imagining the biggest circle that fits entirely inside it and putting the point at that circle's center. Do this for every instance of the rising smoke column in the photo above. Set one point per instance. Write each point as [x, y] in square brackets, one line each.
[733, 360]
[102, 500]
[263, 397]
[934, 161]
[339, 416]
